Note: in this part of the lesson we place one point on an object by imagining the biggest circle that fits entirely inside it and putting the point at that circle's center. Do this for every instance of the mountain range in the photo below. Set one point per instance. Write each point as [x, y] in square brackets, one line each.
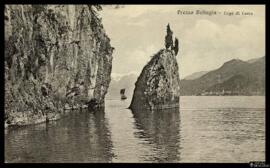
[126, 82]
[235, 77]
[196, 75]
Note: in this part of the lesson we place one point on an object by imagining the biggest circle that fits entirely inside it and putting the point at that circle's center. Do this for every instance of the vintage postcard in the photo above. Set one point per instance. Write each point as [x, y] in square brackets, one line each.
[134, 83]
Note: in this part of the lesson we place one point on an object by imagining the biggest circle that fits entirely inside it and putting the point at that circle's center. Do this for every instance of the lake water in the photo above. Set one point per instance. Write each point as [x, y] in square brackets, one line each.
[205, 129]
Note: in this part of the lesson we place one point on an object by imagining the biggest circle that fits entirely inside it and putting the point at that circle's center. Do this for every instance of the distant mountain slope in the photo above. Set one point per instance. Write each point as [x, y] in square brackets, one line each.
[126, 81]
[254, 60]
[235, 75]
[195, 75]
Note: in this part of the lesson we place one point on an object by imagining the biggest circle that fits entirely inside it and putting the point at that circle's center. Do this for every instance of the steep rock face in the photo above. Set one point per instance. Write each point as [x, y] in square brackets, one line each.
[158, 84]
[56, 56]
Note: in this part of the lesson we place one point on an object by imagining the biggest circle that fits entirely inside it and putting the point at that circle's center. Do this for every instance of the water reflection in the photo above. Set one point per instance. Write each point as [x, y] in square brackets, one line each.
[208, 129]
[160, 128]
[81, 136]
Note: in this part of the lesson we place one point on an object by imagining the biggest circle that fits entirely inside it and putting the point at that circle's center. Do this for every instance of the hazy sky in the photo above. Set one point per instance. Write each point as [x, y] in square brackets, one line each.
[137, 32]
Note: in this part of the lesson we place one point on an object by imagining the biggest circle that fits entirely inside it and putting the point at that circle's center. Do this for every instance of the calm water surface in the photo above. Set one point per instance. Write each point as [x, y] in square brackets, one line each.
[205, 129]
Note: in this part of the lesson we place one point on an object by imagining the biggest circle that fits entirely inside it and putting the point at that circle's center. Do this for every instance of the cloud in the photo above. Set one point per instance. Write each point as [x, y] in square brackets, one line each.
[208, 45]
[206, 42]
[133, 11]
[139, 23]
[118, 76]
[140, 56]
[131, 60]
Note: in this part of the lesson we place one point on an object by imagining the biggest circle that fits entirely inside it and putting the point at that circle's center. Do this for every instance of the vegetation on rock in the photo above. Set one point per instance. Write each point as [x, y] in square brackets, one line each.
[169, 41]
[157, 87]
[169, 38]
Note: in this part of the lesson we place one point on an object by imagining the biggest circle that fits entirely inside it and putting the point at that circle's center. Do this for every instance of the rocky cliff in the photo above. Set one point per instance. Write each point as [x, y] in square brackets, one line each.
[158, 84]
[56, 57]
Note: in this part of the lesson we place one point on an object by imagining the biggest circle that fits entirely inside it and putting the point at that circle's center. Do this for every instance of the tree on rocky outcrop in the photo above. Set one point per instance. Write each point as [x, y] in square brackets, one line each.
[98, 7]
[169, 38]
[176, 46]
[94, 9]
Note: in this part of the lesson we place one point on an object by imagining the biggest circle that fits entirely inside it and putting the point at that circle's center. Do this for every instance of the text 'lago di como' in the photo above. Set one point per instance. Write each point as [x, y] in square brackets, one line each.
[214, 12]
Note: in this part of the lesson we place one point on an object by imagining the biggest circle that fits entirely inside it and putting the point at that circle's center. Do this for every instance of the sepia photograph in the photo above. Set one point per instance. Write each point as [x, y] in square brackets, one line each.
[100, 83]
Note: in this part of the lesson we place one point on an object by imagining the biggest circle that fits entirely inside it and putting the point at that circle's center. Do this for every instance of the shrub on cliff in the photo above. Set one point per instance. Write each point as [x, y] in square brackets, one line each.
[169, 38]
[176, 46]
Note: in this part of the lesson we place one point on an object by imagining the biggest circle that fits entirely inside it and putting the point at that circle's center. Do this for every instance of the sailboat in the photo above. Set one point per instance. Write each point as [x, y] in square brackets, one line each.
[123, 96]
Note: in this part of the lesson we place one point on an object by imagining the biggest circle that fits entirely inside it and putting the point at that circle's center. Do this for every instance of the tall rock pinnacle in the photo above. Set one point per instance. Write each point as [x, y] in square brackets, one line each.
[157, 87]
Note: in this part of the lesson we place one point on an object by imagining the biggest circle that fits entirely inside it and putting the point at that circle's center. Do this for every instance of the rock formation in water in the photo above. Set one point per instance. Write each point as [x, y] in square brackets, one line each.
[157, 87]
[56, 57]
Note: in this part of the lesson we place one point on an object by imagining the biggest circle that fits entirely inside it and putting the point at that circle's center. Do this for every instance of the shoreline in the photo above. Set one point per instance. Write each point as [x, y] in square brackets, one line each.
[27, 120]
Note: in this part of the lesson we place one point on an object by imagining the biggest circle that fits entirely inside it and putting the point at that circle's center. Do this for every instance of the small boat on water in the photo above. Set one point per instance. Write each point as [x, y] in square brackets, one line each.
[122, 93]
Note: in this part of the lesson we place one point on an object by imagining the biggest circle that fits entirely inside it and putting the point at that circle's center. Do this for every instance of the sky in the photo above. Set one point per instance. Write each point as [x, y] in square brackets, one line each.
[137, 32]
